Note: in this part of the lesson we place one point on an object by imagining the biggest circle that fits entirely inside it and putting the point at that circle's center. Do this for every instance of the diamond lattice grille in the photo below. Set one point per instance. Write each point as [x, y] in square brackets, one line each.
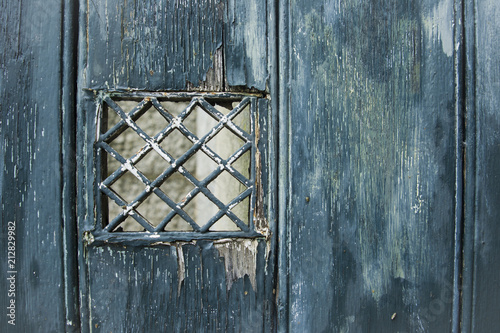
[161, 167]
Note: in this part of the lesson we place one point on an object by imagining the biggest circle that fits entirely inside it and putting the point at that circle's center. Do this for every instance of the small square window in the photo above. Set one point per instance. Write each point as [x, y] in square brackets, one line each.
[177, 166]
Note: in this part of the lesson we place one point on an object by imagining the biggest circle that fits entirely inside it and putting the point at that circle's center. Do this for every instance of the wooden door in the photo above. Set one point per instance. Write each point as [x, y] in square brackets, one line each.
[370, 181]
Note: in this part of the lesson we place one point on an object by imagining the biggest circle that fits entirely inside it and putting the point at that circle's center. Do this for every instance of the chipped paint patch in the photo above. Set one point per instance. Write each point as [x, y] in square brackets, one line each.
[240, 259]
[181, 268]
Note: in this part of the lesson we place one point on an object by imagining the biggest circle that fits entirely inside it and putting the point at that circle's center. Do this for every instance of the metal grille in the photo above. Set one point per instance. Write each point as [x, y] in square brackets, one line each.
[153, 145]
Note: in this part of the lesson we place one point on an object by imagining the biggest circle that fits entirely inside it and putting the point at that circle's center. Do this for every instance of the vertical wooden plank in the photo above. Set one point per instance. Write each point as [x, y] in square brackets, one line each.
[31, 179]
[461, 90]
[372, 155]
[68, 160]
[284, 166]
[486, 120]
[245, 44]
[469, 197]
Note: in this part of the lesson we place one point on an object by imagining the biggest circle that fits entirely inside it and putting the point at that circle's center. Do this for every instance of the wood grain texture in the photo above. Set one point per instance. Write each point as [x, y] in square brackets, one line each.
[372, 165]
[30, 163]
[152, 45]
[183, 288]
[175, 45]
[486, 121]
[245, 43]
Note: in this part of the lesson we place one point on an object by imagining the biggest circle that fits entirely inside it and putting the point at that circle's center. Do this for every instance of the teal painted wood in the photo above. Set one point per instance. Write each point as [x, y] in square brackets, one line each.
[245, 43]
[382, 211]
[175, 45]
[154, 45]
[139, 288]
[372, 165]
[224, 285]
[68, 160]
[32, 180]
[469, 175]
[484, 234]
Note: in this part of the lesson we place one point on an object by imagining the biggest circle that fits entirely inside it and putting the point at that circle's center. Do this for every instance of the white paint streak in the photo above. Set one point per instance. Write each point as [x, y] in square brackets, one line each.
[440, 25]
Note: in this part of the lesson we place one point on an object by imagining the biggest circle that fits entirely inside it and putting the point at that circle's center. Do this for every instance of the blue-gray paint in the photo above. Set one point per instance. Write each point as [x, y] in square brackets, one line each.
[484, 142]
[372, 162]
[383, 220]
[135, 288]
[30, 167]
[245, 43]
[154, 45]
[228, 287]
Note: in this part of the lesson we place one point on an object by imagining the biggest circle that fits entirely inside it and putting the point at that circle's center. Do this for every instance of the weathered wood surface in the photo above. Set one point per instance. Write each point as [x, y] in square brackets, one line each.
[375, 98]
[371, 165]
[168, 45]
[483, 191]
[185, 288]
[174, 45]
[32, 169]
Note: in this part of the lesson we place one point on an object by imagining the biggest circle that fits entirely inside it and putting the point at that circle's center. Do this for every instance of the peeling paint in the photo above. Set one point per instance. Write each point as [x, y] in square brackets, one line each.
[180, 265]
[240, 259]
